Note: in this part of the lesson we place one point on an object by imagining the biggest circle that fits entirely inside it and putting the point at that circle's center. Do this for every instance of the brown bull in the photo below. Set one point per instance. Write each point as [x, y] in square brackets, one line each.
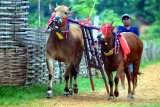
[120, 62]
[64, 45]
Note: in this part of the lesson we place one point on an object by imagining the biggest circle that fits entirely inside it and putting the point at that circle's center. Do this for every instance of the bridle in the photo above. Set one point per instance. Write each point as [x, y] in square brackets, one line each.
[106, 29]
[52, 21]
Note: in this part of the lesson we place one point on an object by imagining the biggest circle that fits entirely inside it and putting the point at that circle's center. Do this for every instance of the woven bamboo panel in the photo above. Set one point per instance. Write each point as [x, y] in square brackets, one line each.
[13, 57]
[36, 65]
[12, 66]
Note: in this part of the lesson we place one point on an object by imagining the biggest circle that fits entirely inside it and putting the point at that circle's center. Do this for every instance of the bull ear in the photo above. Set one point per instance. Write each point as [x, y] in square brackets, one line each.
[51, 7]
[113, 27]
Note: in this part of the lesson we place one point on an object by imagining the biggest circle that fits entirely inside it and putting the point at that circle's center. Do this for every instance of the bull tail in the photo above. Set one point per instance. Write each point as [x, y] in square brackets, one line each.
[139, 73]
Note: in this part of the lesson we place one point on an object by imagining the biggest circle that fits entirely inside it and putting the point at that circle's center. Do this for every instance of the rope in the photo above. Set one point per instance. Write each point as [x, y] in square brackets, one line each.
[92, 8]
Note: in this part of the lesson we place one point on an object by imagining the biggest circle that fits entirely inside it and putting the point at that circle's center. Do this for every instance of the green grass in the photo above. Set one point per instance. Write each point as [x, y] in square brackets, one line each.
[145, 63]
[147, 105]
[17, 95]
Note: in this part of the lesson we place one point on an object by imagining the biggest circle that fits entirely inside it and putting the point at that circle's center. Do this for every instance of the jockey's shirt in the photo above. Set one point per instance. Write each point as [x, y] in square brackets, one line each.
[132, 29]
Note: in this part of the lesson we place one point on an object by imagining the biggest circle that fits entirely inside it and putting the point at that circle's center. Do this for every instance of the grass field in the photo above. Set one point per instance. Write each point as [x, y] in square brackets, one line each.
[11, 95]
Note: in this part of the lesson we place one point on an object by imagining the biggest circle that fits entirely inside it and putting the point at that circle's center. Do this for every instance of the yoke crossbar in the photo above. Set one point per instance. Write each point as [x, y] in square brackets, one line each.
[91, 52]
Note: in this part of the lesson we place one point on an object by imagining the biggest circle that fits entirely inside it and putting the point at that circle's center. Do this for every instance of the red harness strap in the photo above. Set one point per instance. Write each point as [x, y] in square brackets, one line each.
[65, 22]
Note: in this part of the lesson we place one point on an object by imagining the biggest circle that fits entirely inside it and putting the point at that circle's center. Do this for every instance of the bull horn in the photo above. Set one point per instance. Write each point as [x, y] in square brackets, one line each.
[112, 22]
[70, 8]
[56, 5]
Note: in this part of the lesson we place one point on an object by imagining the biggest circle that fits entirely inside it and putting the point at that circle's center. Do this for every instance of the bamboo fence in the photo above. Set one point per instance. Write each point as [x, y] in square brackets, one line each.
[13, 24]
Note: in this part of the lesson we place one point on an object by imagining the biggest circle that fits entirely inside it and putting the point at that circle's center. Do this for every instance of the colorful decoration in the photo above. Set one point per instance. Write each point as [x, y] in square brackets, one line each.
[85, 22]
[59, 35]
[106, 29]
[109, 53]
[124, 46]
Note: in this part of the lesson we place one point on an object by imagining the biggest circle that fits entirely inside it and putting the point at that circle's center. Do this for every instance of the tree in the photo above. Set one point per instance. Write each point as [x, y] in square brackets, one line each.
[82, 8]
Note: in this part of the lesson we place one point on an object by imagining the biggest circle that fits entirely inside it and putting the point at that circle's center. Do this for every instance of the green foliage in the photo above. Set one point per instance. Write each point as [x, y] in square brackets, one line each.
[107, 16]
[82, 8]
[145, 10]
[119, 6]
[152, 7]
[45, 12]
[153, 33]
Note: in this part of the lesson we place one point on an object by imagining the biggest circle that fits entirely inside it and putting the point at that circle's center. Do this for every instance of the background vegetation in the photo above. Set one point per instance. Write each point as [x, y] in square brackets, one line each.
[144, 12]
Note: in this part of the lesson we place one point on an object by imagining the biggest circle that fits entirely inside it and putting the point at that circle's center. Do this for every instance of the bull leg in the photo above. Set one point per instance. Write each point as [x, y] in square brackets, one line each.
[122, 77]
[120, 70]
[128, 75]
[49, 62]
[116, 81]
[75, 68]
[67, 75]
[70, 86]
[110, 79]
[75, 85]
[136, 65]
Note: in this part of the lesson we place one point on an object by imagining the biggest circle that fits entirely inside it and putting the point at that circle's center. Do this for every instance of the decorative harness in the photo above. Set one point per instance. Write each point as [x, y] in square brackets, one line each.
[106, 29]
[51, 22]
[119, 40]
[115, 49]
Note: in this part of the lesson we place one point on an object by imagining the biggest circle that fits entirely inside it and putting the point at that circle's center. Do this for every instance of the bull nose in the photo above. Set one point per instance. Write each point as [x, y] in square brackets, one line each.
[99, 36]
[57, 18]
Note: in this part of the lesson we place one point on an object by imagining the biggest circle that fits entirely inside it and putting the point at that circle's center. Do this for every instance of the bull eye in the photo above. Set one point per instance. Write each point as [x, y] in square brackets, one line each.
[65, 13]
[55, 11]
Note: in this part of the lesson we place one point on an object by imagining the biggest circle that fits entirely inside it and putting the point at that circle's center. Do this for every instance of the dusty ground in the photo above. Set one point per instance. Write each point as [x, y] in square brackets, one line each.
[147, 92]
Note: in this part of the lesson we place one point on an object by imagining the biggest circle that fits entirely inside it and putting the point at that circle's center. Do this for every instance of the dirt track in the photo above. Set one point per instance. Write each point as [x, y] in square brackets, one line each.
[147, 91]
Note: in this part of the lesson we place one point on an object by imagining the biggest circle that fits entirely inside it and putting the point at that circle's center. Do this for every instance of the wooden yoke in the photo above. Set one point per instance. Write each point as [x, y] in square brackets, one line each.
[91, 52]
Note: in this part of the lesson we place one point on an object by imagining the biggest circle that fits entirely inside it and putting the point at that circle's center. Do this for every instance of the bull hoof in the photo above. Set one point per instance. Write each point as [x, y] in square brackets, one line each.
[110, 97]
[75, 90]
[116, 93]
[49, 94]
[66, 93]
[70, 91]
[130, 97]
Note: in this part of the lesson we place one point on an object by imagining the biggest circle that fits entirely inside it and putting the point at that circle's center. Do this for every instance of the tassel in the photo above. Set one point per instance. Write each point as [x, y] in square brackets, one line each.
[109, 53]
[59, 35]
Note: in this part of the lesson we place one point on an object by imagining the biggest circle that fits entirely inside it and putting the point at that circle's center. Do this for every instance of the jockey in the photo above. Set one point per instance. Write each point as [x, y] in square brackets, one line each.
[126, 20]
